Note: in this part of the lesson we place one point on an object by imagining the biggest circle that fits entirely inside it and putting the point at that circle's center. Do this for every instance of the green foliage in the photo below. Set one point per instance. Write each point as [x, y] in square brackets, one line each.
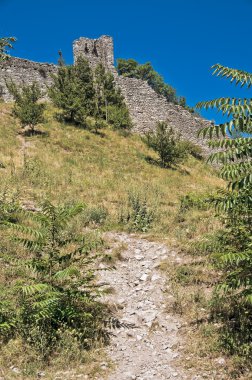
[138, 216]
[110, 104]
[107, 94]
[94, 216]
[234, 292]
[9, 207]
[194, 200]
[73, 92]
[88, 99]
[58, 292]
[167, 144]
[119, 117]
[192, 149]
[235, 153]
[27, 108]
[5, 44]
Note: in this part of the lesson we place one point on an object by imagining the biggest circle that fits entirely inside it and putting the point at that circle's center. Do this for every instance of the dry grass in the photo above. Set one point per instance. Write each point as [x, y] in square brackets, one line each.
[66, 164]
[70, 164]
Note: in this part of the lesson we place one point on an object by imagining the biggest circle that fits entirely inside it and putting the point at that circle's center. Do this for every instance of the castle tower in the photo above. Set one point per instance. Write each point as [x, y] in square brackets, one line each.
[96, 51]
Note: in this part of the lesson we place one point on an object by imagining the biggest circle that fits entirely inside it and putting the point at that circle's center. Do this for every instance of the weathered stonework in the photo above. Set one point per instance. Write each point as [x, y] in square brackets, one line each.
[96, 51]
[145, 105]
[22, 71]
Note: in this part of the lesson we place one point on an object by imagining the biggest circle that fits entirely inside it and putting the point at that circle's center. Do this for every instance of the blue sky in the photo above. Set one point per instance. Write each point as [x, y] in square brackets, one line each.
[181, 38]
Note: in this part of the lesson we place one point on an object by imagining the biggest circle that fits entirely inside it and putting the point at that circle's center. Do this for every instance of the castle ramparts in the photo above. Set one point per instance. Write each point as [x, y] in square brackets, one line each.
[145, 105]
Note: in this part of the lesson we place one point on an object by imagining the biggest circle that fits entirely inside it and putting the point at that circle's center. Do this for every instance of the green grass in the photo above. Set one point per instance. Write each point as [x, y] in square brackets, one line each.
[71, 164]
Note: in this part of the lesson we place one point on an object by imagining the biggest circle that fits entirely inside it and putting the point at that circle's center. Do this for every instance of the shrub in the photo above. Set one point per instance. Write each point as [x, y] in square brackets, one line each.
[234, 291]
[5, 44]
[73, 92]
[138, 216]
[119, 118]
[167, 144]
[58, 293]
[192, 149]
[27, 108]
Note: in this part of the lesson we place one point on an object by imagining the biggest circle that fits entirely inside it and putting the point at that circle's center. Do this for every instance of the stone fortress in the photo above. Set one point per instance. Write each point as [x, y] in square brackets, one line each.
[145, 105]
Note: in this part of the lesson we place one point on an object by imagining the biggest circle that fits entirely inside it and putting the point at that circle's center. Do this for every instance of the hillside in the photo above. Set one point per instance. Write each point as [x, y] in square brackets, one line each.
[110, 172]
[67, 164]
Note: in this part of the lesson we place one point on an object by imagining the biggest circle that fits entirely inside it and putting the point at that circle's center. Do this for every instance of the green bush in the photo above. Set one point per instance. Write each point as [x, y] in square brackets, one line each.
[94, 216]
[192, 149]
[119, 118]
[27, 108]
[138, 216]
[57, 292]
[73, 92]
[167, 144]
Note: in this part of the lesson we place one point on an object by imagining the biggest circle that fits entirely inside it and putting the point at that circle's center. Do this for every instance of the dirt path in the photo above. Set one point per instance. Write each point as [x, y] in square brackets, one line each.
[140, 295]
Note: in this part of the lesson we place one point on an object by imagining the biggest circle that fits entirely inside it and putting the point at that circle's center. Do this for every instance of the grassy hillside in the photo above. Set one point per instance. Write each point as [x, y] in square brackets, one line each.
[66, 164]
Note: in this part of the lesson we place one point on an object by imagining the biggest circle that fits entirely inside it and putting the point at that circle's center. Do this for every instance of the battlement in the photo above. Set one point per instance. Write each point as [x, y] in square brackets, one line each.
[96, 51]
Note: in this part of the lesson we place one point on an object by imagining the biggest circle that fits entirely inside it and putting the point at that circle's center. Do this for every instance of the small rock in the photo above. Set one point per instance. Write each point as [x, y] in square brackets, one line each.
[40, 374]
[220, 361]
[155, 277]
[143, 277]
[15, 369]
[139, 257]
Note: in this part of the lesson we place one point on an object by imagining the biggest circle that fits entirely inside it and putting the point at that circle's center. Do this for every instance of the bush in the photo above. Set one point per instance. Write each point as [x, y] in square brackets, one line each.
[167, 144]
[27, 109]
[119, 118]
[57, 293]
[88, 99]
[138, 216]
[192, 149]
[94, 216]
[73, 92]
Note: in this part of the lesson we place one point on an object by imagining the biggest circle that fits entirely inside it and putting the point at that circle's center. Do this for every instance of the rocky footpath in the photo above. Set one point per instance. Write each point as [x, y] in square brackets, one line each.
[148, 348]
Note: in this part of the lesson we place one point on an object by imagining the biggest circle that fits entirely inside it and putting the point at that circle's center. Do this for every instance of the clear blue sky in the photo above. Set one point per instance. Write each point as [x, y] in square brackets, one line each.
[181, 38]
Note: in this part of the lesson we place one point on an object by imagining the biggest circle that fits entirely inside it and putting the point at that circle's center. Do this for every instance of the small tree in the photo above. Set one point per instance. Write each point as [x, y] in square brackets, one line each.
[27, 108]
[58, 294]
[167, 144]
[234, 155]
[5, 43]
[73, 92]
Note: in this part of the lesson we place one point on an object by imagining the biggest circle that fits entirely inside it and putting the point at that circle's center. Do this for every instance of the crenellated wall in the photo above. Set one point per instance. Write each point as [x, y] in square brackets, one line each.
[145, 105]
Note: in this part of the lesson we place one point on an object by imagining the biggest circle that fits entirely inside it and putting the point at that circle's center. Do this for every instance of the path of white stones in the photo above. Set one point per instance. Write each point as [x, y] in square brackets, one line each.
[148, 350]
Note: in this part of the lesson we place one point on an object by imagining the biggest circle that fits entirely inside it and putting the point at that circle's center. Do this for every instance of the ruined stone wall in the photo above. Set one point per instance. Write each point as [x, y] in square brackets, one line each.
[145, 105]
[147, 108]
[22, 71]
[100, 50]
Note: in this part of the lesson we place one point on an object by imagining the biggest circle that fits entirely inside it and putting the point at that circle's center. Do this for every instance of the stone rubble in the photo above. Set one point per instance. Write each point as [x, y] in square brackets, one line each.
[147, 350]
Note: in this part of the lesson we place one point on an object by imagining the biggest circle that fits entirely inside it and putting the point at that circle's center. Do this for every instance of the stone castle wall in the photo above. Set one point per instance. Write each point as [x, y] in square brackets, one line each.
[22, 71]
[100, 50]
[145, 105]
